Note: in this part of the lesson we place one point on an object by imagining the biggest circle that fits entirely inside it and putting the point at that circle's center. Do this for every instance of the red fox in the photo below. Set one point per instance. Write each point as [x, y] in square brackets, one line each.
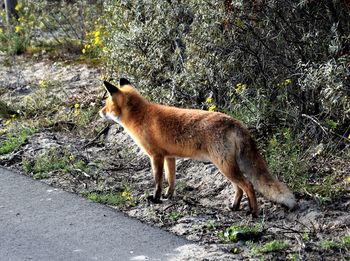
[165, 132]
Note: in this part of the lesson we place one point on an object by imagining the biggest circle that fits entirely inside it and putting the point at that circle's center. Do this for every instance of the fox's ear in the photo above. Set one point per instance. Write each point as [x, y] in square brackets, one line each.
[110, 88]
[123, 81]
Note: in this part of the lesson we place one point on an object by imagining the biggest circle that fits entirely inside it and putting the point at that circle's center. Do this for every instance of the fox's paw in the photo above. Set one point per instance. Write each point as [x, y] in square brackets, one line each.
[234, 207]
[169, 194]
[253, 213]
[154, 200]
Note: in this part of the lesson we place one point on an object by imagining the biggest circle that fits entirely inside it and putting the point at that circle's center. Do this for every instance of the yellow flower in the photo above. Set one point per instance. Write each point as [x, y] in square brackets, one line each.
[348, 179]
[18, 7]
[21, 19]
[97, 40]
[1, 30]
[209, 100]
[349, 137]
[43, 84]
[26, 99]
[273, 142]
[17, 29]
[76, 108]
[83, 51]
[71, 158]
[97, 34]
[287, 82]
[212, 107]
[240, 87]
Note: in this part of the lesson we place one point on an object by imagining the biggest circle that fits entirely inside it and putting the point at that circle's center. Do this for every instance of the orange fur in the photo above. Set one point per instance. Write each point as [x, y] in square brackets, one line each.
[165, 132]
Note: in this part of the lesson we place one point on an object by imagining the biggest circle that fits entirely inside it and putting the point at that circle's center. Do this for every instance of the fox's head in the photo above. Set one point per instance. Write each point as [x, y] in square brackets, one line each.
[122, 100]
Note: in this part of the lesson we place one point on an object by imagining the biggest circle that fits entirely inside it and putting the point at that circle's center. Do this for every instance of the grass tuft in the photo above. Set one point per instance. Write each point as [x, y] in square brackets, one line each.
[236, 233]
[272, 246]
[124, 198]
[13, 142]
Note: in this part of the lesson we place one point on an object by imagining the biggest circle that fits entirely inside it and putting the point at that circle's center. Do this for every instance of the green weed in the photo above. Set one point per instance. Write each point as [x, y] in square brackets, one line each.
[324, 190]
[13, 42]
[210, 224]
[284, 157]
[124, 198]
[13, 142]
[342, 243]
[272, 246]
[175, 215]
[236, 233]
[53, 160]
[345, 241]
[328, 244]
[306, 236]
[42, 102]
[82, 117]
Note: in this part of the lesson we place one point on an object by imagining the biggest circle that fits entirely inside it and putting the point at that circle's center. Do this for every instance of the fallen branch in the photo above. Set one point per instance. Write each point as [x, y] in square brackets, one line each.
[102, 132]
[324, 129]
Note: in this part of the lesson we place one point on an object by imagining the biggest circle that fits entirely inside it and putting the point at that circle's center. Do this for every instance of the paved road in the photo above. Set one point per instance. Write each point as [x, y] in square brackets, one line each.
[38, 222]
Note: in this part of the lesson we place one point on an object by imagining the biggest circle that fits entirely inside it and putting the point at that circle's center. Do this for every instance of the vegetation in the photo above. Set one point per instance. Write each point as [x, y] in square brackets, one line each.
[53, 160]
[124, 198]
[236, 233]
[40, 26]
[342, 244]
[14, 142]
[281, 67]
[272, 246]
[219, 49]
[241, 57]
[175, 215]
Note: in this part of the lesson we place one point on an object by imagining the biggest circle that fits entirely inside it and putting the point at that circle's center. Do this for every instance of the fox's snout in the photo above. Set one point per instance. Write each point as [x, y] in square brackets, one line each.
[109, 116]
[102, 114]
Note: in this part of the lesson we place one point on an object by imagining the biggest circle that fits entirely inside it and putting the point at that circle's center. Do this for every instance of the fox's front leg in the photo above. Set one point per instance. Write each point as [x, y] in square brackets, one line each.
[170, 175]
[157, 163]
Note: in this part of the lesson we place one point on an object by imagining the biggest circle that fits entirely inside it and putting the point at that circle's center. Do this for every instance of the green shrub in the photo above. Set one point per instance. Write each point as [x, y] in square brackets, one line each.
[184, 52]
[13, 42]
[284, 158]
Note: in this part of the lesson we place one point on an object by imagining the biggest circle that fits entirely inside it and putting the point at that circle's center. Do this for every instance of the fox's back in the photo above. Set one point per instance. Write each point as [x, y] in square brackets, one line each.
[189, 132]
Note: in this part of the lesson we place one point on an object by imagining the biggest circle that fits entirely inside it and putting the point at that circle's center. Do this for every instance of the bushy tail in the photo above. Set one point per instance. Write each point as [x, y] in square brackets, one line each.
[254, 168]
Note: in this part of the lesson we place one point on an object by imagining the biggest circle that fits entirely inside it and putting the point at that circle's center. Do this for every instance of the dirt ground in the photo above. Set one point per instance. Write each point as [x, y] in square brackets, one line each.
[199, 211]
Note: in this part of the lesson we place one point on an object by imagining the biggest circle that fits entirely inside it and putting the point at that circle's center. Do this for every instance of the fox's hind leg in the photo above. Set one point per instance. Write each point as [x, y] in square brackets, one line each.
[232, 172]
[169, 164]
[237, 198]
[157, 163]
[237, 177]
